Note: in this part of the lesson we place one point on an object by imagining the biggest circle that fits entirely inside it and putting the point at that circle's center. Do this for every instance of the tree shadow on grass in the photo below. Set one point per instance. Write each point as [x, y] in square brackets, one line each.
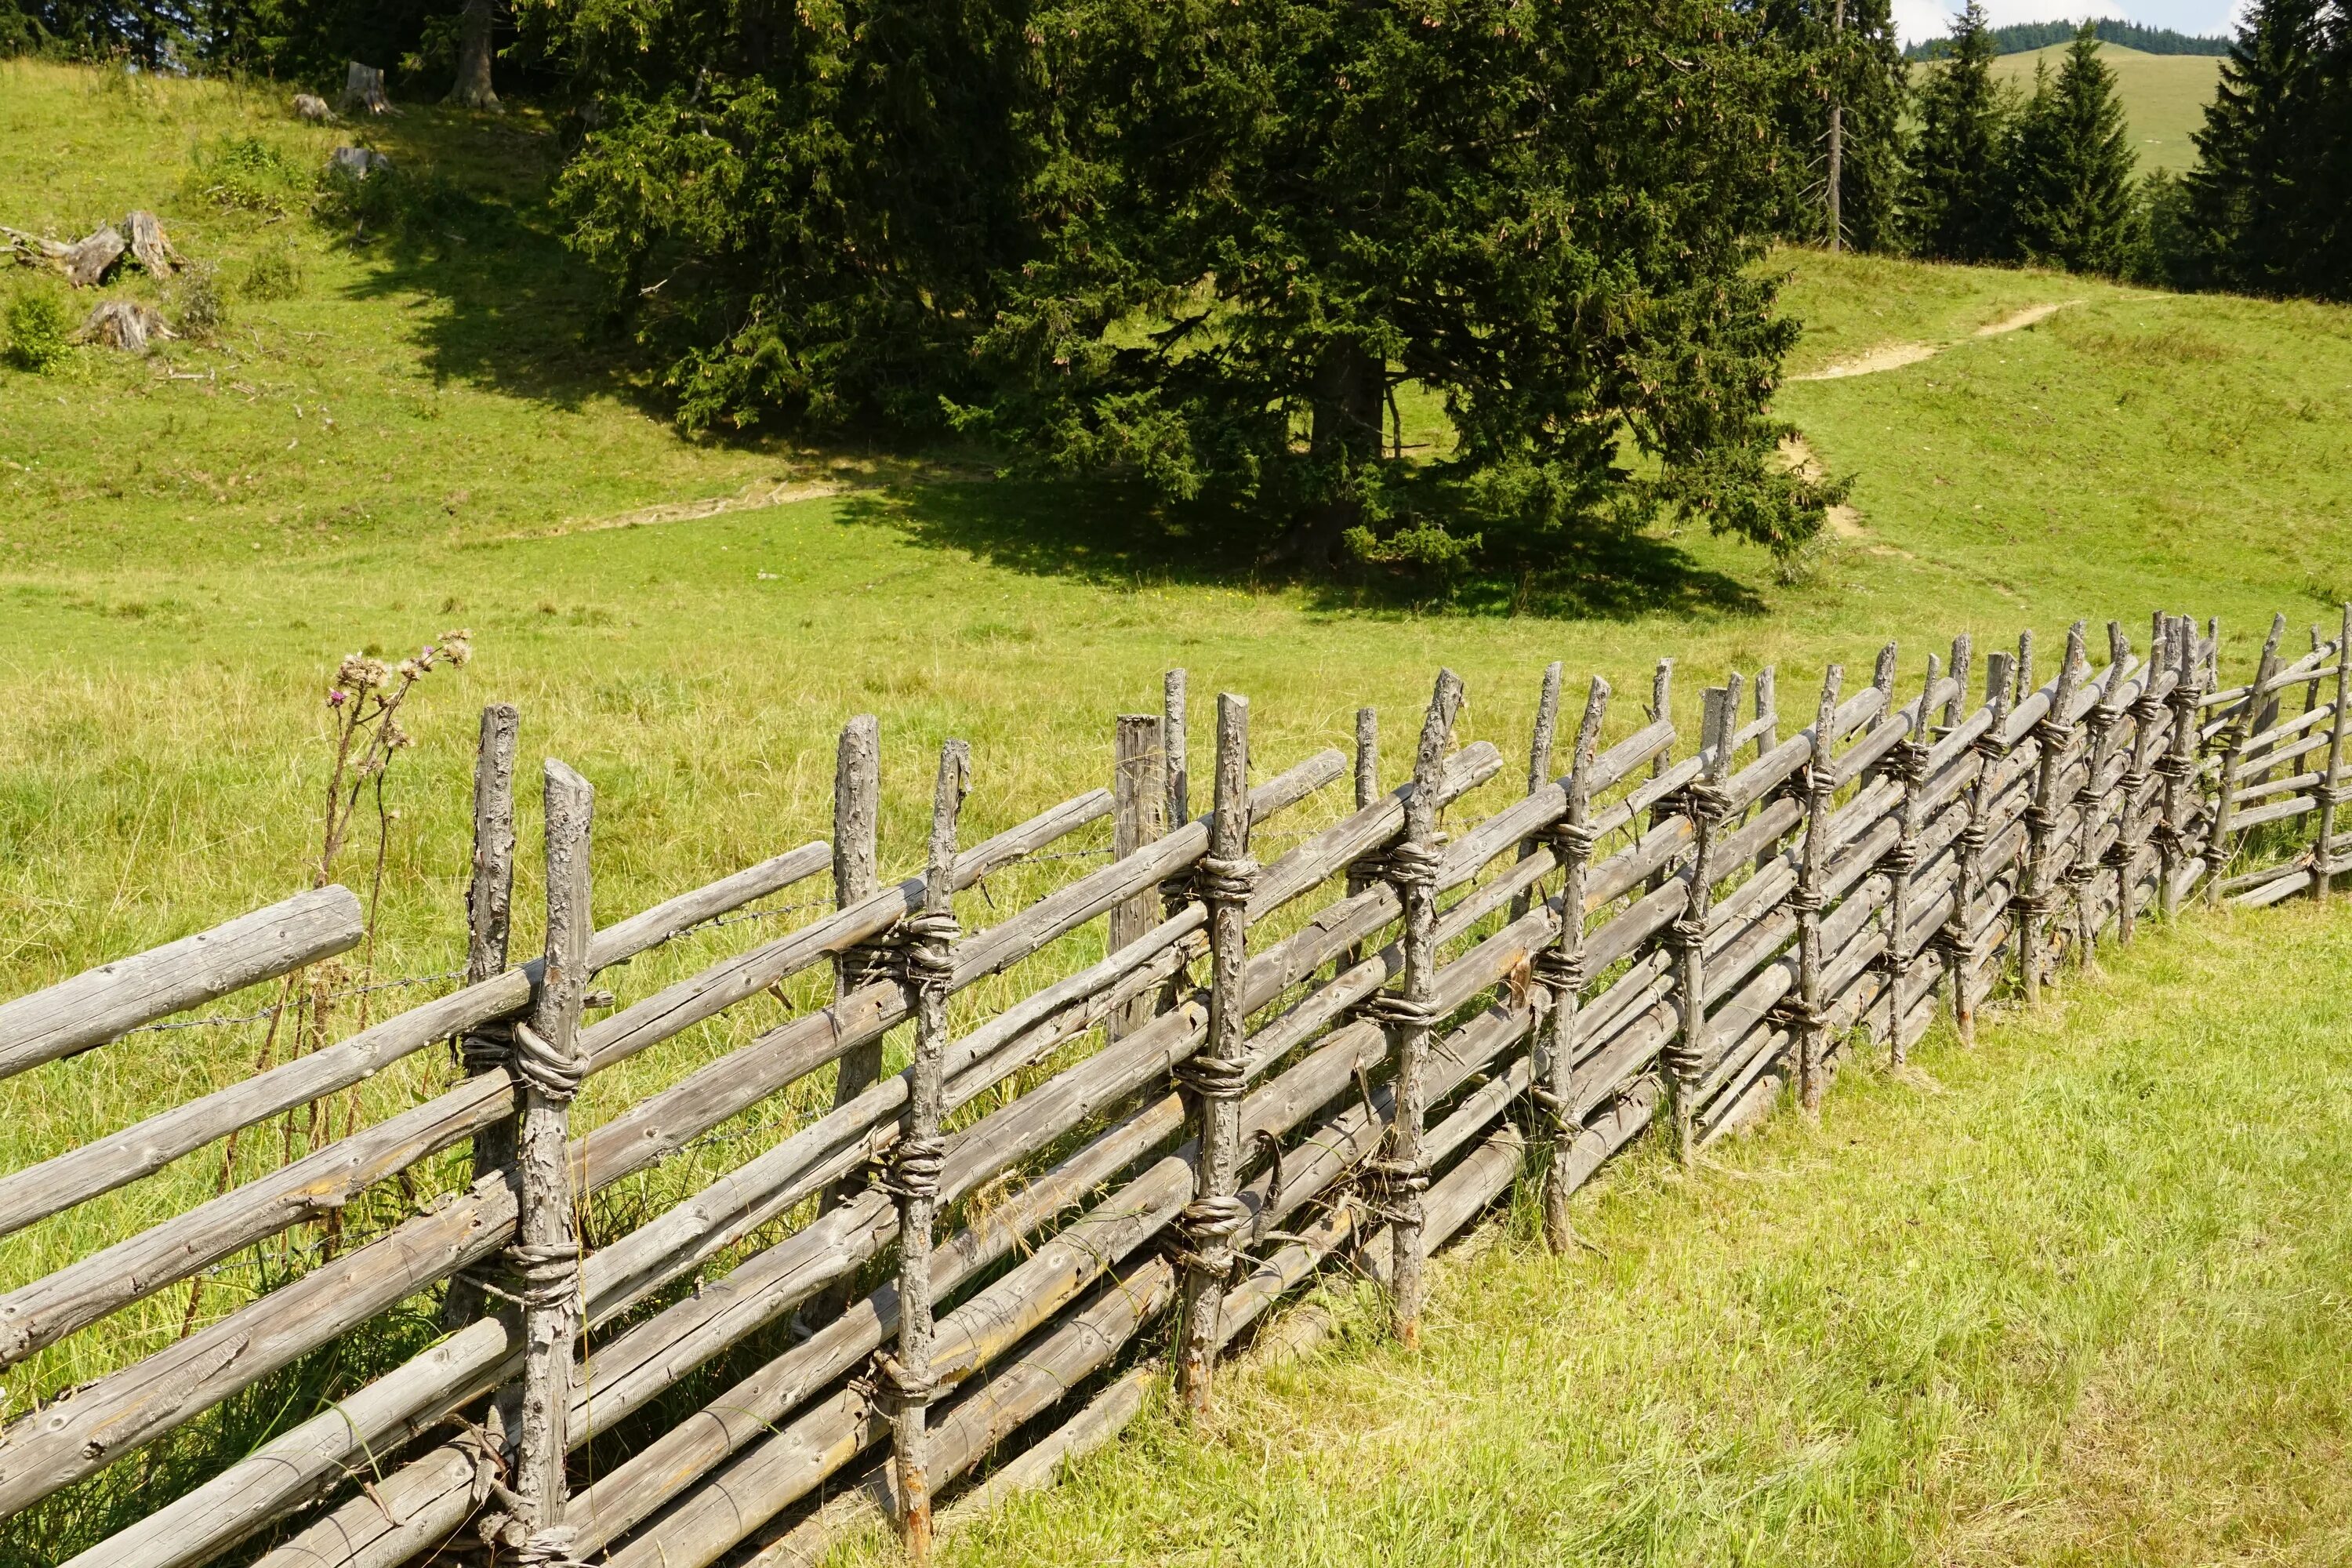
[1118, 537]
[463, 216]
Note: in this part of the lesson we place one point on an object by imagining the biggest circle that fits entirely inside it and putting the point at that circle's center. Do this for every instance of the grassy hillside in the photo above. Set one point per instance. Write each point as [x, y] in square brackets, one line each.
[436, 430]
[2072, 1298]
[2164, 95]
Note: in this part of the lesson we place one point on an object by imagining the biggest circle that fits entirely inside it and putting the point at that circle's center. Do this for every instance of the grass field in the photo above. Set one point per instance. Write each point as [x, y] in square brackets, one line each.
[434, 431]
[2074, 1297]
[2164, 95]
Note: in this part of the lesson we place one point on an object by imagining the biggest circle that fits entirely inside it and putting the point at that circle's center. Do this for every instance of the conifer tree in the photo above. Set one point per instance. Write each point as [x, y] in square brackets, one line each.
[1858, 67]
[2071, 168]
[2259, 199]
[1957, 208]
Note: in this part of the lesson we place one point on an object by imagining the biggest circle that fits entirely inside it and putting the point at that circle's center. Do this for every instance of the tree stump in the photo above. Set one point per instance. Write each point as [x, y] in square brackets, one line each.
[364, 91]
[312, 109]
[359, 162]
[125, 324]
[84, 264]
[148, 248]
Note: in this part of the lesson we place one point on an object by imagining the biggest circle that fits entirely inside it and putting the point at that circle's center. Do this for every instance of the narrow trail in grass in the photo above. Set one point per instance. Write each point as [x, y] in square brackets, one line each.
[1894, 356]
[2086, 1305]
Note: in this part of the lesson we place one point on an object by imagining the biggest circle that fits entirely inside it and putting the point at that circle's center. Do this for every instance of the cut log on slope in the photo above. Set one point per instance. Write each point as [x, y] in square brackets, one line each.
[84, 264]
[359, 162]
[364, 91]
[311, 108]
[125, 324]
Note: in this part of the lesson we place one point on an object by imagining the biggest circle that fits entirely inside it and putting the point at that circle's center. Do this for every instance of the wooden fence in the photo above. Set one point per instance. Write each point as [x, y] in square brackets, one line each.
[1339, 1056]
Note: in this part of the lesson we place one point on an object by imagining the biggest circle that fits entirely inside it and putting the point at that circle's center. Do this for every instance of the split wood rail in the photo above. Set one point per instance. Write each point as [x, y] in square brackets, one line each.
[1338, 1056]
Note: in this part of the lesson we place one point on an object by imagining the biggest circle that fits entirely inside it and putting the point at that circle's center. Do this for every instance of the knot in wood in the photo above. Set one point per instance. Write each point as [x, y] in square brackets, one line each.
[1221, 881]
[912, 1170]
[1213, 1078]
[557, 1076]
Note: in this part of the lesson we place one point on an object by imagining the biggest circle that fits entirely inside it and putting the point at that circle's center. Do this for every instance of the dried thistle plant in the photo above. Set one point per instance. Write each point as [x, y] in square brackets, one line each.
[364, 700]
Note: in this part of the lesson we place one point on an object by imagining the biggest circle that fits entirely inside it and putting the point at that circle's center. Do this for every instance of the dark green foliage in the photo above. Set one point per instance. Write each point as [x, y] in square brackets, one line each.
[1959, 204]
[2071, 168]
[1262, 218]
[810, 207]
[2260, 200]
[146, 32]
[1860, 68]
[2023, 38]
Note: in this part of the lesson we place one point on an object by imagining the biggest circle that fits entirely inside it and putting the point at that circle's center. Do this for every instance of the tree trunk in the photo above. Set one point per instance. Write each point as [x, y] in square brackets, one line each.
[1349, 386]
[473, 87]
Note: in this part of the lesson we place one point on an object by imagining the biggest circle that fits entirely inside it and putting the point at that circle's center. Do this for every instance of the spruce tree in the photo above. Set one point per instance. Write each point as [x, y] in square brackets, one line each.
[1957, 208]
[2259, 199]
[1858, 67]
[2071, 171]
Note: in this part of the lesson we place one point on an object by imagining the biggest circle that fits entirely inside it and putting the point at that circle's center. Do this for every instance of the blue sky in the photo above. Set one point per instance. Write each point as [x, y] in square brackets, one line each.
[1920, 19]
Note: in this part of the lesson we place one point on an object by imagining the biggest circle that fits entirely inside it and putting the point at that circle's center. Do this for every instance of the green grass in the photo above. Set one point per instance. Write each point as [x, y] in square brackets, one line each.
[2164, 95]
[436, 431]
[2075, 1297]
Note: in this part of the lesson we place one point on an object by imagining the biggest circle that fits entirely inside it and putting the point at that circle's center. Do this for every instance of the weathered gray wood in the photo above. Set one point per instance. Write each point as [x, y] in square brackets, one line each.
[1096, 1427]
[363, 90]
[2054, 734]
[1685, 1057]
[1806, 901]
[140, 1150]
[916, 1161]
[2178, 768]
[857, 876]
[1215, 1077]
[1561, 969]
[102, 1004]
[1171, 733]
[2323, 868]
[551, 1064]
[295, 1464]
[1140, 788]
[1907, 763]
[1540, 745]
[1661, 713]
[1992, 752]
[489, 912]
[1412, 867]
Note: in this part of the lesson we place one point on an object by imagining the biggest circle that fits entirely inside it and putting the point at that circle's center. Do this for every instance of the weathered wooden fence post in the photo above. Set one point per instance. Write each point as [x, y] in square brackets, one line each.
[1992, 750]
[545, 1256]
[1215, 1075]
[1402, 1171]
[1364, 871]
[489, 913]
[2136, 817]
[1140, 799]
[2242, 724]
[1540, 747]
[2179, 766]
[2323, 858]
[1908, 764]
[2090, 801]
[1172, 736]
[2053, 735]
[1821, 787]
[1559, 968]
[917, 1158]
[1685, 1054]
[1768, 735]
[1662, 706]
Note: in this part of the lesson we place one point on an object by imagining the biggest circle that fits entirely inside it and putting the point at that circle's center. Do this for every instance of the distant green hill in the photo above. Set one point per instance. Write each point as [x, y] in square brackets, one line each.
[2164, 95]
[2024, 37]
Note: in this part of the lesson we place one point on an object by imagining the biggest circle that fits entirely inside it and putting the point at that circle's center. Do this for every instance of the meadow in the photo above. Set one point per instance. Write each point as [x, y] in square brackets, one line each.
[2164, 95]
[431, 427]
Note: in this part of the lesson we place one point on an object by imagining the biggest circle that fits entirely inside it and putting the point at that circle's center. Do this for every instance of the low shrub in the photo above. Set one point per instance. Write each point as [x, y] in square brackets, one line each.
[201, 305]
[273, 275]
[249, 174]
[40, 329]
